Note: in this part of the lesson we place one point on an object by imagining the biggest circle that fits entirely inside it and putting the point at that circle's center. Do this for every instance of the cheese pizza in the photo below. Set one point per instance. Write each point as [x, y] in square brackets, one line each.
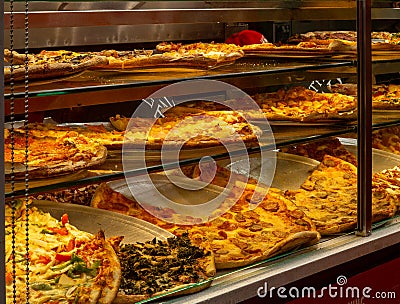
[319, 148]
[387, 139]
[329, 197]
[301, 104]
[384, 96]
[346, 41]
[189, 130]
[49, 156]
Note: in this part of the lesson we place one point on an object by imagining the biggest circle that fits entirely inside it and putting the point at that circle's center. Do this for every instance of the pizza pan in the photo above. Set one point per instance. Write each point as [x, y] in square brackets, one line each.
[379, 116]
[381, 160]
[180, 190]
[113, 224]
[291, 170]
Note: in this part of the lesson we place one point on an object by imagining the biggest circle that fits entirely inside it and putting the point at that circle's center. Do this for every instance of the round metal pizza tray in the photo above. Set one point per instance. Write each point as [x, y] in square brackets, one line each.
[180, 190]
[113, 224]
[381, 160]
[291, 170]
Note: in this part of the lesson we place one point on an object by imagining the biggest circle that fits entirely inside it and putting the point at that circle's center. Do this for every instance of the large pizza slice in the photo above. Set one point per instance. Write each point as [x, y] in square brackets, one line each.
[200, 55]
[346, 41]
[99, 134]
[66, 265]
[329, 197]
[50, 156]
[319, 148]
[388, 180]
[302, 49]
[48, 64]
[384, 96]
[238, 237]
[305, 105]
[186, 130]
[211, 54]
[387, 139]
[190, 130]
[163, 268]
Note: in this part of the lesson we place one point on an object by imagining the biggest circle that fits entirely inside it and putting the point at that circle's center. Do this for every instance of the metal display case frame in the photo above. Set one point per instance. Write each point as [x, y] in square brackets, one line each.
[71, 24]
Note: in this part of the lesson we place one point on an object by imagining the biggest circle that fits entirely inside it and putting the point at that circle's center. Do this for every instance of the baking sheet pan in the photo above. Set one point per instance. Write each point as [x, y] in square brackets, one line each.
[113, 224]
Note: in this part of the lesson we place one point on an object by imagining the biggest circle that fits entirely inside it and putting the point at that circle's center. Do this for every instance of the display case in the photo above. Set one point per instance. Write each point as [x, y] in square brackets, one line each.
[92, 96]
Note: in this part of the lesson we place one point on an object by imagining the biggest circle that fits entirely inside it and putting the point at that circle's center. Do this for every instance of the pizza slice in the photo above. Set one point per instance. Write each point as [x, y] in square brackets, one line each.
[48, 64]
[319, 148]
[66, 265]
[387, 139]
[384, 96]
[240, 236]
[163, 268]
[389, 181]
[189, 130]
[50, 156]
[305, 105]
[329, 197]
[200, 55]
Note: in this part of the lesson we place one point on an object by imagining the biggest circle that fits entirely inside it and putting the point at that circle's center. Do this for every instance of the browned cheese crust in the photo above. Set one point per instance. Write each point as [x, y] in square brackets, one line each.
[329, 197]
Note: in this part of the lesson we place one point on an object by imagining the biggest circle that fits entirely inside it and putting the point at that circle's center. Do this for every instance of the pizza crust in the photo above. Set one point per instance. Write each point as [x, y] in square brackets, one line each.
[172, 292]
[113, 278]
[49, 70]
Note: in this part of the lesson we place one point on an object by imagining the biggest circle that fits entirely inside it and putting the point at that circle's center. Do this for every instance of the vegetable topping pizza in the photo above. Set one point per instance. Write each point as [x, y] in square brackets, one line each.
[156, 268]
[66, 265]
[58, 63]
